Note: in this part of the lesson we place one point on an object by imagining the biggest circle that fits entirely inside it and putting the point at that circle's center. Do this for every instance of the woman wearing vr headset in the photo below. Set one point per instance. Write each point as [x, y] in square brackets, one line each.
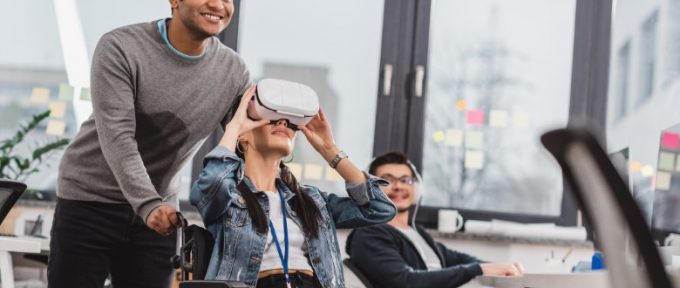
[269, 230]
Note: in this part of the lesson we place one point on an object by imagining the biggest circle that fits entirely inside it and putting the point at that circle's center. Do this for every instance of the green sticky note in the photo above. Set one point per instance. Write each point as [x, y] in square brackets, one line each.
[474, 140]
[666, 161]
[66, 92]
[85, 94]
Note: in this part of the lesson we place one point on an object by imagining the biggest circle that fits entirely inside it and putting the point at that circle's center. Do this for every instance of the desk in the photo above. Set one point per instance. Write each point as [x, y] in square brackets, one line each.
[10, 245]
[581, 280]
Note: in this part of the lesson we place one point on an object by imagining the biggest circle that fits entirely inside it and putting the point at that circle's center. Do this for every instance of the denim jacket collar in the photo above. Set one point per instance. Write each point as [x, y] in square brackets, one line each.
[280, 186]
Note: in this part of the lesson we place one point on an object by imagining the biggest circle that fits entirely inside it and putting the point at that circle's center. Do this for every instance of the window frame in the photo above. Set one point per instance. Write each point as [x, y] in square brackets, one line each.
[589, 84]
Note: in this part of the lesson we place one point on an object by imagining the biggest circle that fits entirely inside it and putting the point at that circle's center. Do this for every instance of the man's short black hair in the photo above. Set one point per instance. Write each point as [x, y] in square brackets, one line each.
[393, 157]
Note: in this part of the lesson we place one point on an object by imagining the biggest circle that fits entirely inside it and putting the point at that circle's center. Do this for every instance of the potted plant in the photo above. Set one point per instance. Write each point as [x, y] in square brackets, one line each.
[15, 166]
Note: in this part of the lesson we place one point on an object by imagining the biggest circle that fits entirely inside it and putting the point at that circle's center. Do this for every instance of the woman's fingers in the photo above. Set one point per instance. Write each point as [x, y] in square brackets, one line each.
[247, 96]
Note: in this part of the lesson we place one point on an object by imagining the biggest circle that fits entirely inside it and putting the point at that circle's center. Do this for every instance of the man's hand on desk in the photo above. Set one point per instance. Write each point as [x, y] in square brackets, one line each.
[163, 219]
[502, 269]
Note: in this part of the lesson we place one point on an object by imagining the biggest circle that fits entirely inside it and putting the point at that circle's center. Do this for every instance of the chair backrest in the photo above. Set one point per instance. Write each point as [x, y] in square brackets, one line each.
[348, 263]
[10, 191]
[619, 228]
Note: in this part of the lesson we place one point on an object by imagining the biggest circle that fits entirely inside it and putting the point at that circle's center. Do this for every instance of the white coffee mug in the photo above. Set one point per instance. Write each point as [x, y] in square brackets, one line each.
[449, 221]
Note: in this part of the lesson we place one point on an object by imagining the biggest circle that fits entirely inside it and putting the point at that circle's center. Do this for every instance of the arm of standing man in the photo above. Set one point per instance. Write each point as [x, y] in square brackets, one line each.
[113, 101]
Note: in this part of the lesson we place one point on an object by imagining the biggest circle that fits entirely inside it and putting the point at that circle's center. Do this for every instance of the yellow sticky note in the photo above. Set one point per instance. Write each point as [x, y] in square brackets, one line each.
[647, 171]
[474, 159]
[474, 140]
[57, 108]
[56, 127]
[40, 95]
[313, 172]
[521, 120]
[85, 94]
[677, 164]
[66, 92]
[663, 181]
[498, 118]
[666, 161]
[636, 166]
[438, 136]
[454, 138]
[296, 169]
[332, 175]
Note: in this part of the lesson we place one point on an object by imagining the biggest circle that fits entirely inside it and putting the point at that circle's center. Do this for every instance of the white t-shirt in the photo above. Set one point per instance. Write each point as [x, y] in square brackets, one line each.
[426, 253]
[296, 240]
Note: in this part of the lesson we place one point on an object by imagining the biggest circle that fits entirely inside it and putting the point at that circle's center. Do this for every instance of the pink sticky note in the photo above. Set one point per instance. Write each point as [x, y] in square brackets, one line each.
[670, 140]
[475, 117]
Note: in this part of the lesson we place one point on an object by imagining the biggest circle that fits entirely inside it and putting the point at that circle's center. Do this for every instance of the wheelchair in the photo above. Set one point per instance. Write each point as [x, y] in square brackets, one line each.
[193, 256]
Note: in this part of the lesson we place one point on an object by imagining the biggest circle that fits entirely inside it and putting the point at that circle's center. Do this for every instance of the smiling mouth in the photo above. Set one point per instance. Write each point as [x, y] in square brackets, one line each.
[212, 17]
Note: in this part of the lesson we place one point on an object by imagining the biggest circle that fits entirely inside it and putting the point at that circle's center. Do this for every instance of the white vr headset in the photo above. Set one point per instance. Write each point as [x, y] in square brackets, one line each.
[280, 99]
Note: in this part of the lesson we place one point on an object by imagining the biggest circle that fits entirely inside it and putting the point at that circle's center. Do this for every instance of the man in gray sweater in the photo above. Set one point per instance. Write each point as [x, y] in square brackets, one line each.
[158, 90]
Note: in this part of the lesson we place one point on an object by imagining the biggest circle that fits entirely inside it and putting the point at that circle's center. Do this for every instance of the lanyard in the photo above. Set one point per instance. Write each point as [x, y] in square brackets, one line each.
[282, 256]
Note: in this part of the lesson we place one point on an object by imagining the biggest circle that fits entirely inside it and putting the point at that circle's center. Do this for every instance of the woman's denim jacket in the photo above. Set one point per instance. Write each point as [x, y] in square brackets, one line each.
[238, 249]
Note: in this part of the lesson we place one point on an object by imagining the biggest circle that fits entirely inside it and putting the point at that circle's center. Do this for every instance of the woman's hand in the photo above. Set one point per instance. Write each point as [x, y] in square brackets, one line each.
[240, 123]
[318, 133]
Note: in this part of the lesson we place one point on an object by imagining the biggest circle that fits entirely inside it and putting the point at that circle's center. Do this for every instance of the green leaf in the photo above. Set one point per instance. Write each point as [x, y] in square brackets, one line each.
[41, 151]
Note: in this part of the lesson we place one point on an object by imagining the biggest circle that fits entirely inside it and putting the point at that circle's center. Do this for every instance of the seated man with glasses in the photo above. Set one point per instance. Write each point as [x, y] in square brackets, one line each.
[400, 254]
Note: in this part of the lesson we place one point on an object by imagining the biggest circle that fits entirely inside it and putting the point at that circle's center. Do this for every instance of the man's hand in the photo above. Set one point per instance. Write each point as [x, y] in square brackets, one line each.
[502, 269]
[163, 219]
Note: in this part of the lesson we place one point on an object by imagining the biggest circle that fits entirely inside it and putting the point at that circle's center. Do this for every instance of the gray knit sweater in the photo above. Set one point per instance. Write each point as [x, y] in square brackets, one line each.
[152, 109]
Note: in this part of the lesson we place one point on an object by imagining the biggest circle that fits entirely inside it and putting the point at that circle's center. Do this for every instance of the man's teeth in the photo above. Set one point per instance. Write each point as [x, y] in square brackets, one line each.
[212, 17]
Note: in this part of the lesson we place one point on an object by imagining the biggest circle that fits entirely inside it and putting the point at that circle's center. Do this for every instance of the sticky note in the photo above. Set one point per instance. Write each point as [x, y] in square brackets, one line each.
[520, 120]
[474, 140]
[666, 161]
[57, 108]
[296, 169]
[635, 166]
[438, 136]
[670, 140]
[498, 118]
[85, 94]
[474, 159]
[677, 164]
[332, 175]
[663, 181]
[647, 170]
[461, 105]
[313, 172]
[454, 138]
[475, 117]
[66, 92]
[56, 127]
[40, 95]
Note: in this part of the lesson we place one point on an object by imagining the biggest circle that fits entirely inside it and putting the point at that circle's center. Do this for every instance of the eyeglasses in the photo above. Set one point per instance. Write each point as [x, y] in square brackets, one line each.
[406, 180]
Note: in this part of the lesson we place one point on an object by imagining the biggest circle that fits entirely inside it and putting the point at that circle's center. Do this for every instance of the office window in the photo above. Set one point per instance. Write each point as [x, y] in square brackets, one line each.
[45, 65]
[646, 129]
[623, 62]
[499, 75]
[648, 55]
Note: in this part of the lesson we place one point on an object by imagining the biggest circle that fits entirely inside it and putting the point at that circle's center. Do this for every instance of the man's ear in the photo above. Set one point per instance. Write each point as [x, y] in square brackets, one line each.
[174, 4]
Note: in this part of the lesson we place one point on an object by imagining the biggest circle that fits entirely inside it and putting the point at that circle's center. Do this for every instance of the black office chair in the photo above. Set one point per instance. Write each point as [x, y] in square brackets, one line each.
[193, 258]
[620, 230]
[10, 191]
[348, 263]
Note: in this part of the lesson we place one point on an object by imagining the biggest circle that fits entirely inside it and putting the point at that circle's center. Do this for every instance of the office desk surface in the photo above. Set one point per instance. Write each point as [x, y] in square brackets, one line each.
[581, 280]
